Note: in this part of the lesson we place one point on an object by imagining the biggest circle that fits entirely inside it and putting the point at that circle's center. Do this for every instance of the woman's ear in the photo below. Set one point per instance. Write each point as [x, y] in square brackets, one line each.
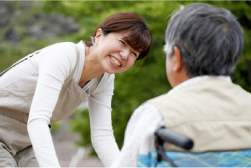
[177, 60]
[98, 34]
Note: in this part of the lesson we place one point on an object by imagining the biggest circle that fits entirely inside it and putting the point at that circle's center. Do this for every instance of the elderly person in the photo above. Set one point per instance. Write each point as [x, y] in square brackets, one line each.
[203, 46]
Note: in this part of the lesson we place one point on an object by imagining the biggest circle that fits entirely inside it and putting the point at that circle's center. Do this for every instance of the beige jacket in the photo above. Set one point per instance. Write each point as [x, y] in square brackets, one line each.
[215, 113]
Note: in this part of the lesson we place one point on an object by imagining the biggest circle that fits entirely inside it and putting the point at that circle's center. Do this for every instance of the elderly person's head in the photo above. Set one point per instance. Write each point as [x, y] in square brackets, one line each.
[208, 39]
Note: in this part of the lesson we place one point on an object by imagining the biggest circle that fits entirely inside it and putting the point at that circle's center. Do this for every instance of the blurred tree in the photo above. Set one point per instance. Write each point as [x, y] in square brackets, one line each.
[25, 28]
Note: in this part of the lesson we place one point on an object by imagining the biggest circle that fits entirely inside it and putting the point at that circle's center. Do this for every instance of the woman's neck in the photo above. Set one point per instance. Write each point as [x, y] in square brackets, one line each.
[92, 67]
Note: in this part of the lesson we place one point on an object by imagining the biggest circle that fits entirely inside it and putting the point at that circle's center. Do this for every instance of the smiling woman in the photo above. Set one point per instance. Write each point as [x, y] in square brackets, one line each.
[138, 35]
[48, 85]
[113, 53]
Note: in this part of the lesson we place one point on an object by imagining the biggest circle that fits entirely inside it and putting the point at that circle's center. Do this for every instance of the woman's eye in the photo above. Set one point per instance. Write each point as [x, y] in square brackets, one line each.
[135, 54]
[122, 42]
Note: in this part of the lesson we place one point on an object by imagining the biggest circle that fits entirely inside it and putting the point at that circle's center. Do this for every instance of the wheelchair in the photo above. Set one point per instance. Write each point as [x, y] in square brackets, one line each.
[163, 158]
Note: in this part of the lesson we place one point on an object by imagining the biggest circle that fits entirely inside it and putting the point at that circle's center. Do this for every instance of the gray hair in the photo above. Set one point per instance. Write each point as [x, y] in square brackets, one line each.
[210, 39]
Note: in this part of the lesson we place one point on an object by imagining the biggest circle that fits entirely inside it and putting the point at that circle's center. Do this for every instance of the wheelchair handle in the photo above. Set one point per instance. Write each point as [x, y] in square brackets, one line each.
[174, 138]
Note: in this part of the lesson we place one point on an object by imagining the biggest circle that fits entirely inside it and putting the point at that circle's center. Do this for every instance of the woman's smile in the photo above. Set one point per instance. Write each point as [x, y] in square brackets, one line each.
[115, 62]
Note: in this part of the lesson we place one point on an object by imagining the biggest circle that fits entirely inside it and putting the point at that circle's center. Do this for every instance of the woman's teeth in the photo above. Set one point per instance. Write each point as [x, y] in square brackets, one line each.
[115, 61]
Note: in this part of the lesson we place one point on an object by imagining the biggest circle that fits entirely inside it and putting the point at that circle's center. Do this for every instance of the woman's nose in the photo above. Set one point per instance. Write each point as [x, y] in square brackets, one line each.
[125, 53]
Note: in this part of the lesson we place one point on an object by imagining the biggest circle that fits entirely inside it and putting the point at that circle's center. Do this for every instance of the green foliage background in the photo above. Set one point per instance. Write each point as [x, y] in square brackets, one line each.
[139, 83]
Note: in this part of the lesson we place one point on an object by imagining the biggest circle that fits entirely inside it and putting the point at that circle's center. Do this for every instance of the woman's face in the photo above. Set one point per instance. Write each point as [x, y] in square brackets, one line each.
[114, 54]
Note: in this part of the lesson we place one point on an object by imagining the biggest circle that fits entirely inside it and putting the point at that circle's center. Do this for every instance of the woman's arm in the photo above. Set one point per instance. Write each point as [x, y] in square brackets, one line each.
[101, 122]
[55, 64]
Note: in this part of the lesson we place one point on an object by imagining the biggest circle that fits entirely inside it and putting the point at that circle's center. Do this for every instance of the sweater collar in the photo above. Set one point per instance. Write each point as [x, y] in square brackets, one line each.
[196, 79]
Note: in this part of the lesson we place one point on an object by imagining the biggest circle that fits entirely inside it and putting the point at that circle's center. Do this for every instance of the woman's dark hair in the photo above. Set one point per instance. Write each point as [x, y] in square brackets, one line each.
[138, 35]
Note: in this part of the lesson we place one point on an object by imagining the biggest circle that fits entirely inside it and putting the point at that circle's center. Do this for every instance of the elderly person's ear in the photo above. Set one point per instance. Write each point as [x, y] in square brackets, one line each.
[176, 60]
